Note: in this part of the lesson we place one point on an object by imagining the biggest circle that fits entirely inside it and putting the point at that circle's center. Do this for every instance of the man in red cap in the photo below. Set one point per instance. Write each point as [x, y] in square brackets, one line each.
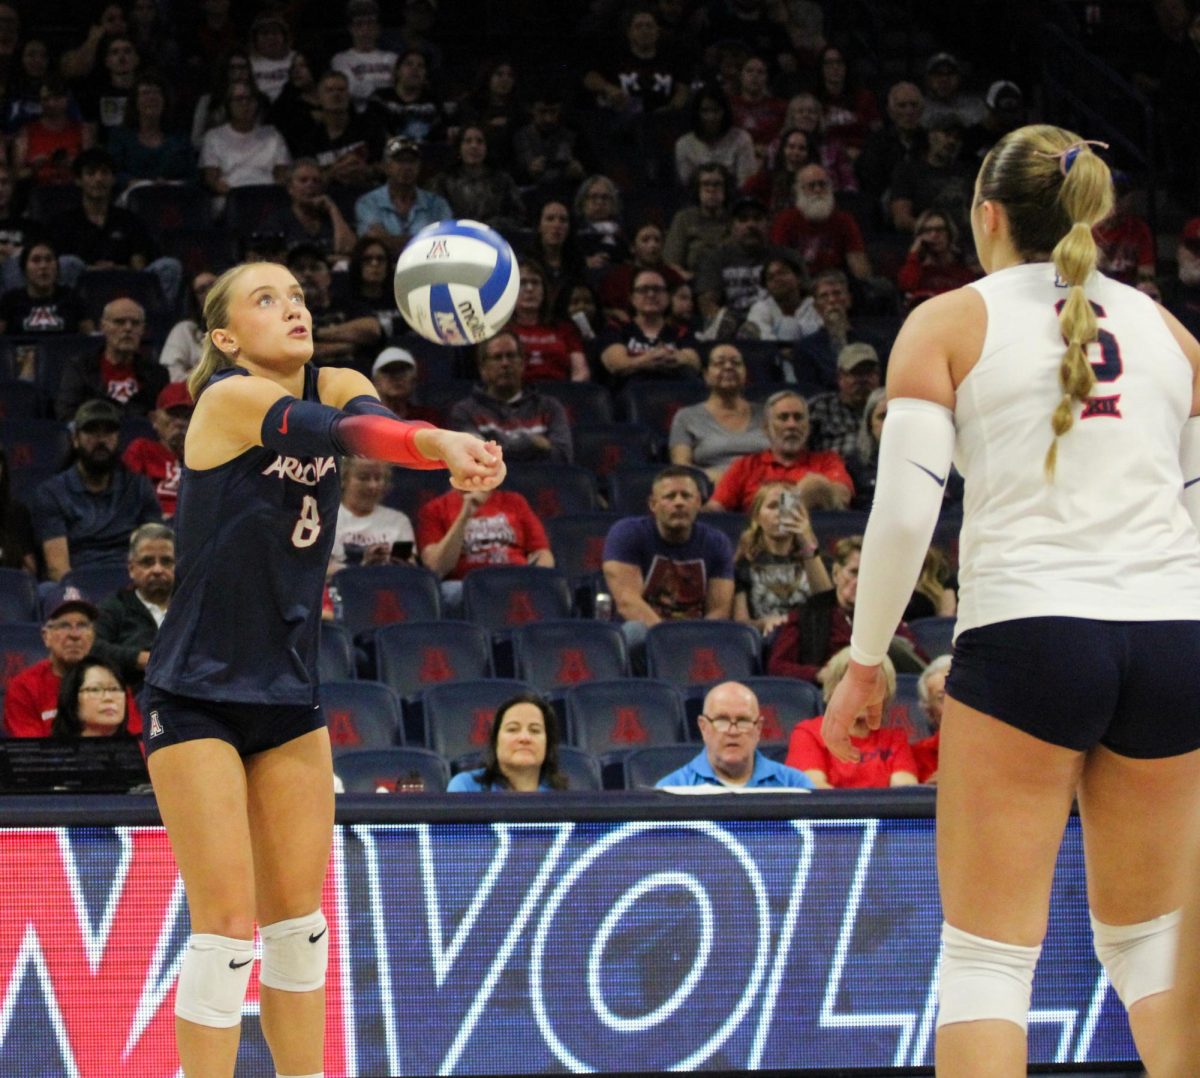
[31, 701]
[158, 459]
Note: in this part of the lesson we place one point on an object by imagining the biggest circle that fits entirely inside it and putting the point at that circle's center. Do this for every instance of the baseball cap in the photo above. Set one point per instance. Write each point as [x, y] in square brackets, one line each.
[392, 355]
[98, 410]
[747, 205]
[174, 395]
[1005, 96]
[399, 145]
[942, 61]
[72, 601]
[855, 355]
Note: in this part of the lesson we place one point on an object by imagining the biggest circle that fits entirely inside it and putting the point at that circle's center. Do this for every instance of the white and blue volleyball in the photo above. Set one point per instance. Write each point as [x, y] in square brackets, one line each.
[456, 282]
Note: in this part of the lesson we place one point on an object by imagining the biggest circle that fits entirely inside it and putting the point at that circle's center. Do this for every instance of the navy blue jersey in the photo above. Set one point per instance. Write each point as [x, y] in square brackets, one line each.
[253, 543]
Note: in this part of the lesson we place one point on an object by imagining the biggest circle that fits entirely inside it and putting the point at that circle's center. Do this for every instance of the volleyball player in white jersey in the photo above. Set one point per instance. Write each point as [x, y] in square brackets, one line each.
[1064, 398]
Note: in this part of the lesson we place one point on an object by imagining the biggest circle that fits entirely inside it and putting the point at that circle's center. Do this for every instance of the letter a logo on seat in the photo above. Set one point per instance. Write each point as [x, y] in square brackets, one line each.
[520, 610]
[573, 667]
[705, 666]
[342, 730]
[482, 728]
[435, 666]
[771, 730]
[628, 729]
[388, 608]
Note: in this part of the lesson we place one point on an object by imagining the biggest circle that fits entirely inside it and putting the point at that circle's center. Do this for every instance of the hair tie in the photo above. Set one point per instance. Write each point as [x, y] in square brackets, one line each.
[1066, 158]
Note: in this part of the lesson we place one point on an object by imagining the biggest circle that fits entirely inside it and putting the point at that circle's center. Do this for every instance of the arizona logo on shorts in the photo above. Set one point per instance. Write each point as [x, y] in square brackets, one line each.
[155, 725]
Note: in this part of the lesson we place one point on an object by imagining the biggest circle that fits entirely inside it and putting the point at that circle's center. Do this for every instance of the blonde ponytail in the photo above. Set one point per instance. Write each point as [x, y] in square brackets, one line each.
[216, 316]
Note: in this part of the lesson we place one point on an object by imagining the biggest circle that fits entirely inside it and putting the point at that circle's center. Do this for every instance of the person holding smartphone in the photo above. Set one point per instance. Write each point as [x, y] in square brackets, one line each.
[367, 532]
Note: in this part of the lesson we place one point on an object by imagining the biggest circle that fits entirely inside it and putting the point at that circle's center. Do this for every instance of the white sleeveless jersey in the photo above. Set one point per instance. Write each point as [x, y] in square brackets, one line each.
[1108, 537]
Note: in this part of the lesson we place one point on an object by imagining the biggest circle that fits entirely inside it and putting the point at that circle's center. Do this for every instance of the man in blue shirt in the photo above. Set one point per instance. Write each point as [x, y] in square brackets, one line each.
[399, 209]
[731, 725]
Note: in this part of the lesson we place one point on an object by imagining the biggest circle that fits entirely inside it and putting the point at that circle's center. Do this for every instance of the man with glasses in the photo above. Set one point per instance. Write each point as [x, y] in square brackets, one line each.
[826, 237]
[127, 622]
[31, 700]
[83, 516]
[731, 726]
[647, 345]
[117, 371]
[527, 425]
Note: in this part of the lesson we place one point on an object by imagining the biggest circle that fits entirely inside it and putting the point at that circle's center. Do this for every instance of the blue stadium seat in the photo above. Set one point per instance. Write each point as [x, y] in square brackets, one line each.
[603, 448]
[584, 402]
[411, 488]
[376, 595]
[20, 400]
[166, 208]
[934, 635]
[95, 583]
[399, 770]
[361, 715]
[555, 655]
[21, 645]
[18, 597]
[629, 487]
[553, 490]
[458, 715]
[577, 542]
[730, 524]
[442, 394]
[644, 767]
[200, 249]
[335, 658]
[905, 709]
[624, 714]
[504, 596]
[702, 651]
[654, 402]
[830, 525]
[248, 208]
[35, 443]
[413, 656]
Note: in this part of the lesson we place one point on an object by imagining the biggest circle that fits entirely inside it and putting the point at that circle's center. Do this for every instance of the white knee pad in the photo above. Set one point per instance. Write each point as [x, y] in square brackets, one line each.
[213, 980]
[1139, 959]
[295, 953]
[984, 979]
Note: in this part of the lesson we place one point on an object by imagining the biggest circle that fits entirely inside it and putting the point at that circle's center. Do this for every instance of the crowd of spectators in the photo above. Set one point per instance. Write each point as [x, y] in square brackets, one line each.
[736, 198]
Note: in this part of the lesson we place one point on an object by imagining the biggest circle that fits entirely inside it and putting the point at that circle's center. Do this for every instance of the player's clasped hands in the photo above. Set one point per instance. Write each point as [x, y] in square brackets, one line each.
[855, 708]
[473, 464]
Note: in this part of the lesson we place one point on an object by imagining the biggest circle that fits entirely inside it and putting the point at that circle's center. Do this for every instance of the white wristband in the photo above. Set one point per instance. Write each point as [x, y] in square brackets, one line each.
[914, 464]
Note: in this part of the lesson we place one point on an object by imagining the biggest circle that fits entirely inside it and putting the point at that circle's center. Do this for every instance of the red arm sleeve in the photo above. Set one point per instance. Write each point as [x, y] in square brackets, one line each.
[385, 439]
[806, 750]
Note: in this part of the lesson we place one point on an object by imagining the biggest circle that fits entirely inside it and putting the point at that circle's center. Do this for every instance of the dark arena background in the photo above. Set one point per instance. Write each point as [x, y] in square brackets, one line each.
[609, 931]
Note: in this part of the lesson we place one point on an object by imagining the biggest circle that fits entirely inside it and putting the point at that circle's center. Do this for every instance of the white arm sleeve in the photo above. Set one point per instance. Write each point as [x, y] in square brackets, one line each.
[914, 463]
[1189, 459]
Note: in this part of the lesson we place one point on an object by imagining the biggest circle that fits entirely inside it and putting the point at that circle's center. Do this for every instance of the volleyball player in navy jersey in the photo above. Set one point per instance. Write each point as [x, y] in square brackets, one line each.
[1069, 403]
[238, 750]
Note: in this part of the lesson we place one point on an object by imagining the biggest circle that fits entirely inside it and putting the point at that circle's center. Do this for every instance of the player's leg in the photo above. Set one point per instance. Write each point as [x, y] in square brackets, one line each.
[1181, 1051]
[201, 791]
[291, 823]
[1003, 801]
[1138, 815]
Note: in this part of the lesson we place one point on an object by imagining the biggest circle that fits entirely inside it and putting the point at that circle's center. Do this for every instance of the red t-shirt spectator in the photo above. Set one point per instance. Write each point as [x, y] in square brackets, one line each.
[547, 350]
[740, 483]
[884, 752]
[31, 703]
[925, 752]
[503, 530]
[761, 119]
[822, 244]
[919, 281]
[121, 384]
[149, 457]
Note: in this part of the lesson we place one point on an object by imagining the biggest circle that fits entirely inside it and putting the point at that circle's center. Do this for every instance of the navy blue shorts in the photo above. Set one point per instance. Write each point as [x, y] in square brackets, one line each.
[168, 719]
[1132, 686]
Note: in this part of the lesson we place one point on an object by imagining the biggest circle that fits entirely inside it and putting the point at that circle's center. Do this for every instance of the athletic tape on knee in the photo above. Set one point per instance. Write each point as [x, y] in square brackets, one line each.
[213, 980]
[1139, 959]
[983, 979]
[295, 953]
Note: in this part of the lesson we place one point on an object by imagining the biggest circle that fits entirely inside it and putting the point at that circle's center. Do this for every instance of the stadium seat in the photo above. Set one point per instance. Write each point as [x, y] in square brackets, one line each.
[555, 655]
[20, 400]
[654, 402]
[437, 364]
[629, 487]
[582, 769]
[335, 658]
[21, 645]
[504, 596]
[25, 482]
[411, 488]
[905, 709]
[934, 635]
[35, 443]
[731, 524]
[376, 595]
[442, 394]
[458, 715]
[18, 597]
[94, 582]
[644, 767]
[584, 402]
[199, 249]
[398, 770]
[624, 714]
[168, 207]
[248, 208]
[830, 525]
[577, 542]
[603, 448]
[415, 655]
[361, 715]
[553, 490]
[702, 651]
[783, 701]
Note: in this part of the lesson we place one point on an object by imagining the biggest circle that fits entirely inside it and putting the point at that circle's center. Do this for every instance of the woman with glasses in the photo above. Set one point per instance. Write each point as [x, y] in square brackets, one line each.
[521, 753]
[648, 345]
[935, 262]
[92, 702]
[600, 237]
[553, 349]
